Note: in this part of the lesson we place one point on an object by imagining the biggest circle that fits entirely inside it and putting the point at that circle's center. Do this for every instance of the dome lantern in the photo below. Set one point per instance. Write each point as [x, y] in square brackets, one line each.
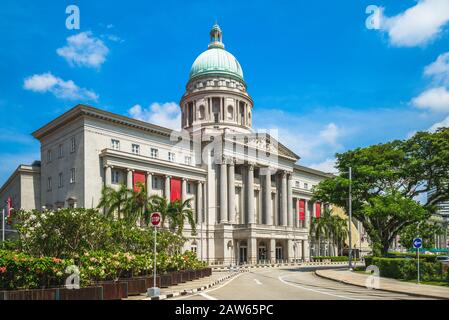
[216, 37]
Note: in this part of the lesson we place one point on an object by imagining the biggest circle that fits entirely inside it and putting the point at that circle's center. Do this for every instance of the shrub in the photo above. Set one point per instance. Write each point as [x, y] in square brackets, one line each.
[406, 269]
[21, 271]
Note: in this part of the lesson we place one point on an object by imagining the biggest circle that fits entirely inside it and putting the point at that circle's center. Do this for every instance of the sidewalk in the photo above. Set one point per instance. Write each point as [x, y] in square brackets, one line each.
[386, 284]
[189, 287]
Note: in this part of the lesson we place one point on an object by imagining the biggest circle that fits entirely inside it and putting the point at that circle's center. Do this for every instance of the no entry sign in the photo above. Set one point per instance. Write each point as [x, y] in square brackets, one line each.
[155, 219]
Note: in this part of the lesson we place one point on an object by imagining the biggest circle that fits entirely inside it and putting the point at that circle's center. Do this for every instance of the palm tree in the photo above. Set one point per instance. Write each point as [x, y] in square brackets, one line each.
[114, 201]
[179, 213]
[332, 228]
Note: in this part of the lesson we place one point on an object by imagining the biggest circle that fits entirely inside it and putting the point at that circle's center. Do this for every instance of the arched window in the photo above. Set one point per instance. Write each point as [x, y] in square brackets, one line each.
[201, 112]
[230, 112]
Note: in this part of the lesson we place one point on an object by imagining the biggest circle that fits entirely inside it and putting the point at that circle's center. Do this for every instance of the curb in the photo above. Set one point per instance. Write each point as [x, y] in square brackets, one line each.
[192, 291]
[305, 264]
[421, 295]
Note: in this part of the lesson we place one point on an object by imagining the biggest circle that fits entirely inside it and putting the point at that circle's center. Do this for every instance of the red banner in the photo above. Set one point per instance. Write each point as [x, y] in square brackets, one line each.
[317, 210]
[138, 177]
[175, 190]
[302, 210]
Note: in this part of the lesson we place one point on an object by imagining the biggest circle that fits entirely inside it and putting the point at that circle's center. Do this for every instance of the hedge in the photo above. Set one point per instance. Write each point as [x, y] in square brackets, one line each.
[22, 271]
[406, 269]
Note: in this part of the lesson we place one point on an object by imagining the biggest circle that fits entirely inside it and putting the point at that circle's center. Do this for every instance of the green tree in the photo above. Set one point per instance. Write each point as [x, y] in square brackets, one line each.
[115, 201]
[427, 230]
[180, 212]
[387, 180]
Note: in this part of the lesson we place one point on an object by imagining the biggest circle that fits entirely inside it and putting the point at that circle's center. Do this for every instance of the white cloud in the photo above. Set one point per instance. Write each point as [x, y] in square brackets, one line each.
[418, 25]
[166, 114]
[444, 123]
[434, 99]
[439, 69]
[330, 133]
[327, 165]
[60, 88]
[84, 50]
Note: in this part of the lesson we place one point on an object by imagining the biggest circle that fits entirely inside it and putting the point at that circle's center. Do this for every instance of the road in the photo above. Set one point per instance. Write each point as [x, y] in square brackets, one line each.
[290, 284]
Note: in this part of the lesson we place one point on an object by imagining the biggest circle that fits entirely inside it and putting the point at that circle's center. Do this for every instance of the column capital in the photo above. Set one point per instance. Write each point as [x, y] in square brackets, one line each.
[284, 174]
[251, 166]
[130, 170]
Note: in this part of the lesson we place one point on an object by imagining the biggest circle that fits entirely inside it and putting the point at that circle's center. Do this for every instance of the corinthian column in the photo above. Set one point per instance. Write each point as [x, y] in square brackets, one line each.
[250, 194]
[149, 184]
[167, 188]
[267, 198]
[290, 201]
[183, 189]
[129, 179]
[199, 200]
[107, 176]
[223, 191]
[231, 191]
[284, 199]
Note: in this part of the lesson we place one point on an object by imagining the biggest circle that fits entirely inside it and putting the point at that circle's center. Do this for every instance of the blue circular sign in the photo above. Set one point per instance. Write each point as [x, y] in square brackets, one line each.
[417, 243]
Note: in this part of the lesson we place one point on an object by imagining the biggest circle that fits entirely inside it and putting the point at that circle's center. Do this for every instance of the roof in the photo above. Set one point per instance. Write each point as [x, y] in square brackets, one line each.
[313, 171]
[23, 168]
[85, 110]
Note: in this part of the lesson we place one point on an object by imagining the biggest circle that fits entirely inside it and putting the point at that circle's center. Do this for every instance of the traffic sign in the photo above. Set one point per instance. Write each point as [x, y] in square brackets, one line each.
[155, 219]
[417, 243]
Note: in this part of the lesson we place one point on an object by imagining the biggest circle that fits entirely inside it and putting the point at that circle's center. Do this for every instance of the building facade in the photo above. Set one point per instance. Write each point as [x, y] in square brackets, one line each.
[251, 199]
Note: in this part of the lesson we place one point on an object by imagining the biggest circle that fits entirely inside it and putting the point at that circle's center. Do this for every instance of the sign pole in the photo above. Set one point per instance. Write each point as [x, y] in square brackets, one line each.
[155, 221]
[418, 266]
[155, 253]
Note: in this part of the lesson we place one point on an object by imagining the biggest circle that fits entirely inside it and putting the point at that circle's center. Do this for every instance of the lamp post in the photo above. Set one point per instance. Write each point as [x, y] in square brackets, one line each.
[350, 219]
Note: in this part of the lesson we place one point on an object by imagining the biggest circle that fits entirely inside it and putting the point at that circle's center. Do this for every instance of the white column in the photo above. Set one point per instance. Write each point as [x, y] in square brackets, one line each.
[107, 176]
[167, 188]
[284, 199]
[250, 194]
[267, 199]
[272, 253]
[252, 250]
[149, 184]
[129, 179]
[289, 201]
[183, 189]
[223, 191]
[231, 191]
[199, 202]
[296, 221]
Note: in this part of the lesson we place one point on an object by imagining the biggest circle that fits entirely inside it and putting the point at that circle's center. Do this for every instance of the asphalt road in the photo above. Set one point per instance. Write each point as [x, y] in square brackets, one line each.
[290, 284]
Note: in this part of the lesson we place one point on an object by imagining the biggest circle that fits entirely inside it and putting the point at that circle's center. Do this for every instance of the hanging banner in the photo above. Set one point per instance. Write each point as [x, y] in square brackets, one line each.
[138, 177]
[302, 210]
[175, 189]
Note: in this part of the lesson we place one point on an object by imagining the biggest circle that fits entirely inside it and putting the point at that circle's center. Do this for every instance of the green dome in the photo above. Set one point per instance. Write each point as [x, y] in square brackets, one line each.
[216, 61]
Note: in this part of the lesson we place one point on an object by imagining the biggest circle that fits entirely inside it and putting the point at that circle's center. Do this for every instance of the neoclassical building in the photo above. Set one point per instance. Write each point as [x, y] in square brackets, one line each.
[251, 199]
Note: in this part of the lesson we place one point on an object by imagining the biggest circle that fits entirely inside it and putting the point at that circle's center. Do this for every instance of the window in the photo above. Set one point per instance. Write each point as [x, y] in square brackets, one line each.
[155, 182]
[189, 188]
[297, 184]
[61, 180]
[49, 156]
[72, 175]
[306, 185]
[154, 153]
[61, 151]
[171, 157]
[188, 160]
[49, 184]
[115, 144]
[72, 144]
[115, 176]
[136, 149]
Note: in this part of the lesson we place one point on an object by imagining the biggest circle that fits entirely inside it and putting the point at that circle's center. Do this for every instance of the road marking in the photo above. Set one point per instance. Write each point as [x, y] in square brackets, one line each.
[281, 278]
[213, 289]
[258, 282]
[208, 297]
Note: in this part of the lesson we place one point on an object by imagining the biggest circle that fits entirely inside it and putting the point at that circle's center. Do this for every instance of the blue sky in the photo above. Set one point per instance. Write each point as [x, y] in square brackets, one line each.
[313, 68]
